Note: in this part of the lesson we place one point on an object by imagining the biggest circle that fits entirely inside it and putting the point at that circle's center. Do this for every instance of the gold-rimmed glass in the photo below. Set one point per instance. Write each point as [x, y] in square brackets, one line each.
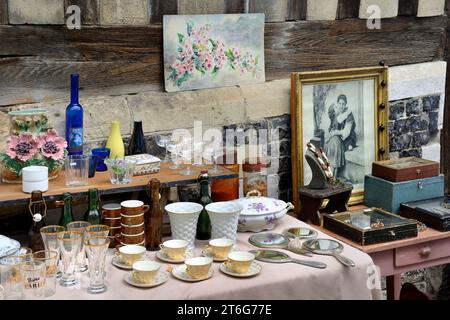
[50, 258]
[25, 253]
[81, 227]
[11, 277]
[69, 246]
[97, 230]
[96, 248]
[33, 276]
[49, 235]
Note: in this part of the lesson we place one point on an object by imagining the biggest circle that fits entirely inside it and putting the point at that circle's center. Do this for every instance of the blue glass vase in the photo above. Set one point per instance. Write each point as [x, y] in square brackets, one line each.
[74, 120]
[102, 154]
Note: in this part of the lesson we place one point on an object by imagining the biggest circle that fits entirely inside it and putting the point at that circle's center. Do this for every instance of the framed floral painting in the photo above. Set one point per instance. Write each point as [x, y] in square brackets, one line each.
[205, 51]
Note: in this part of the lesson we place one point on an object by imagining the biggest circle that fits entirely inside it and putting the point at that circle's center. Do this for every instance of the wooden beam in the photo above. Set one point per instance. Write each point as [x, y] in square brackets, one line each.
[296, 10]
[89, 10]
[42, 57]
[407, 7]
[3, 11]
[445, 138]
[158, 8]
[348, 9]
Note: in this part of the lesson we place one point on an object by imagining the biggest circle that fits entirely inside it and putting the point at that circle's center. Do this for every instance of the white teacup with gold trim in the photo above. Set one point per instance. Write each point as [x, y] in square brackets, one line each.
[219, 248]
[174, 249]
[129, 254]
[145, 271]
[198, 268]
[239, 261]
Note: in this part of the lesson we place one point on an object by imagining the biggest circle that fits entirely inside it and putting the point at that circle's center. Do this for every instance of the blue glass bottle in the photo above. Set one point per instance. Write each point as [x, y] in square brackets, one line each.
[74, 120]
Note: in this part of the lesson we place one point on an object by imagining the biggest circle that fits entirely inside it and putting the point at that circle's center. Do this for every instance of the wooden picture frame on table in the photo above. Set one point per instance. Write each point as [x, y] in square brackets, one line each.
[348, 111]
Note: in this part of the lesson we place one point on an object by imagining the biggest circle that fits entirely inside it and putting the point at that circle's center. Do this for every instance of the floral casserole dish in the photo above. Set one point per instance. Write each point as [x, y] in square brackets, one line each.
[261, 213]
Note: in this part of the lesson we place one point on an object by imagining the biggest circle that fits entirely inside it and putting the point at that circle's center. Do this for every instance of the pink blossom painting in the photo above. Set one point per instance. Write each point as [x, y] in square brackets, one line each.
[205, 51]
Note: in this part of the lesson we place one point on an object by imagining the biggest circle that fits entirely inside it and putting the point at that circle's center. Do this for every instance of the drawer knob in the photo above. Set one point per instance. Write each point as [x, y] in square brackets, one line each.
[425, 252]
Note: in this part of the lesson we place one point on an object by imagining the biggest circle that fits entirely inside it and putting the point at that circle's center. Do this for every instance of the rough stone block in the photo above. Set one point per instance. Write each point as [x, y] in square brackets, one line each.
[433, 124]
[411, 153]
[133, 12]
[396, 110]
[400, 142]
[36, 11]
[321, 9]
[201, 6]
[285, 181]
[387, 8]
[420, 138]
[431, 103]
[413, 107]
[274, 10]
[429, 8]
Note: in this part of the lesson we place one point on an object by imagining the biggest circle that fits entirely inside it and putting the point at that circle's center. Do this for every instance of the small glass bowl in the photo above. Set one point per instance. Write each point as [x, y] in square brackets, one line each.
[120, 170]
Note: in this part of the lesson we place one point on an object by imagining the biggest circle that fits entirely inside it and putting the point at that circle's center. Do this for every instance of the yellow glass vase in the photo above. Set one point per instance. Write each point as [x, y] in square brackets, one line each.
[115, 142]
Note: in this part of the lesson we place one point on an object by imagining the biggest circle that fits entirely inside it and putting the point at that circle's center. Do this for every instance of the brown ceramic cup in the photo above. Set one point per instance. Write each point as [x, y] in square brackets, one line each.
[111, 210]
[133, 207]
[132, 220]
[133, 239]
[132, 229]
[113, 231]
[112, 222]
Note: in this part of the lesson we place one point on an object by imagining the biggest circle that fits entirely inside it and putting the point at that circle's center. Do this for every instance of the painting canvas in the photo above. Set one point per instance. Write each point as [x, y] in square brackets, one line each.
[204, 51]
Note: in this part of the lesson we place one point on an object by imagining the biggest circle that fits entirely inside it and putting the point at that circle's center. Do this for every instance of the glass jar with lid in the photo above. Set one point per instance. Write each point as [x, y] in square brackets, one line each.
[255, 176]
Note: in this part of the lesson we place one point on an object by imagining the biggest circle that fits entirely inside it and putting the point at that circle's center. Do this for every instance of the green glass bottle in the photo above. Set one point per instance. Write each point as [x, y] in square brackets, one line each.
[204, 223]
[92, 214]
[66, 215]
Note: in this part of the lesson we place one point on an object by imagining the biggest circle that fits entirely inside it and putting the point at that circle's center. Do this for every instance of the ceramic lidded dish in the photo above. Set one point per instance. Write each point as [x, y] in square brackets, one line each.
[261, 213]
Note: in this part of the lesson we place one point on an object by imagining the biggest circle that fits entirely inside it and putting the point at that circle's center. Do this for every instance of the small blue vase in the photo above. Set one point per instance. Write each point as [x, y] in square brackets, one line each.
[102, 154]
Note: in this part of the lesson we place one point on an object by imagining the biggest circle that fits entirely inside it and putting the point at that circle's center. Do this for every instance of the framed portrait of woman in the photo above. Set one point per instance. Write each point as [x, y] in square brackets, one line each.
[346, 112]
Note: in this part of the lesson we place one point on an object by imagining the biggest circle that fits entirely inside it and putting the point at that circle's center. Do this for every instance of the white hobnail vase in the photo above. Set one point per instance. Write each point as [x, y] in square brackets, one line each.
[183, 218]
[224, 218]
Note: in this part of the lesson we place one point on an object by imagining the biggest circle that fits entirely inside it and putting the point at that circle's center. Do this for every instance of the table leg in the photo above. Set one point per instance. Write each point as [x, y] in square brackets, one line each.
[309, 211]
[338, 202]
[393, 286]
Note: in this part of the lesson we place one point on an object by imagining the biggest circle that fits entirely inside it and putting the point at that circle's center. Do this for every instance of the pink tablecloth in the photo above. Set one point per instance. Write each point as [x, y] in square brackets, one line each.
[276, 281]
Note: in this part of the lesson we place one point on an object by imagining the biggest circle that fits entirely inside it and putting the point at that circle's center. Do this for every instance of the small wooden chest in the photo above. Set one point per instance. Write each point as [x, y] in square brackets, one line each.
[431, 212]
[405, 169]
[389, 195]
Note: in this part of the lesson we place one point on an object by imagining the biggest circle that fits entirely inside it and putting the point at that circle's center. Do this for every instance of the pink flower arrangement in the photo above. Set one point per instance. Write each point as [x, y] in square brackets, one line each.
[23, 147]
[51, 145]
[198, 52]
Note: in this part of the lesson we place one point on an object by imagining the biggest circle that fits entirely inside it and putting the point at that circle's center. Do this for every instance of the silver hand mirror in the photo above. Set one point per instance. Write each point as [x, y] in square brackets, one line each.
[275, 256]
[301, 233]
[328, 247]
[275, 241]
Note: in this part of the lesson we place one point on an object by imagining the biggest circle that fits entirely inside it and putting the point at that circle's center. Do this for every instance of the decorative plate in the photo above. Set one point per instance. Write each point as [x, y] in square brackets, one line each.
[255, 268]
[8, 246]
[160, 278]
[164, 257]
[179, 272]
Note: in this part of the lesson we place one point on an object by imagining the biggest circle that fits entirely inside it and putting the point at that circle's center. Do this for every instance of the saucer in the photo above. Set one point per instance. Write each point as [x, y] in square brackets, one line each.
[254, 269]
[120, 264]
[208, 254]
[160, 278]
[179, 272]
[164, 257]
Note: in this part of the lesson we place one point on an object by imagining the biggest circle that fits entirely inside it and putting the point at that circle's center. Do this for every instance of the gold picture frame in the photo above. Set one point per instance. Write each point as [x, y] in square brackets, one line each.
[309, 100]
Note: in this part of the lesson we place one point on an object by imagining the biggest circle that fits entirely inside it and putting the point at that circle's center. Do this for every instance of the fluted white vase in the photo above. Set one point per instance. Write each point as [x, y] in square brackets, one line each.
[183, 218]
[224, 218]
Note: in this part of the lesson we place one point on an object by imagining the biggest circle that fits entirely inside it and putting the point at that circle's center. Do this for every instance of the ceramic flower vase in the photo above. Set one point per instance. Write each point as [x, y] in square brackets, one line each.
[115, 142]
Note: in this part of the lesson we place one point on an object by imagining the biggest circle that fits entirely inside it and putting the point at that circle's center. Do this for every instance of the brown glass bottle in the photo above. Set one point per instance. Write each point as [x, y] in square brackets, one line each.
[204, 223]
[38, 210]
[154, 217]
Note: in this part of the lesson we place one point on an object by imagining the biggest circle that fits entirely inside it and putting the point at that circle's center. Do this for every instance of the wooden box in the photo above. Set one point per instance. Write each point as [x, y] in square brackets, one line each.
[387, 195]
[382, 226]
[405, 169]
[431, 212]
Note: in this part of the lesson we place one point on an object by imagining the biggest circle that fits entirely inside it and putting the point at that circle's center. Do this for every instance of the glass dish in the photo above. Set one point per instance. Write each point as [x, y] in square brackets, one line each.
[120, 170]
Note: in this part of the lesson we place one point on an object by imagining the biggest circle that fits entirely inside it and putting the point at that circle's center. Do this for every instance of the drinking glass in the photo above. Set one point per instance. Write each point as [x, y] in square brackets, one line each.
[162, 141]
[25, 253]
[214, 152]
[175, 150]
[49, 235]
[96, 248]
[93, 161]
[187, 154]
[76, 170]
[50, 258]
[120, 170]
[197, 153]
[69, 245]
[33, 277]
[102, 154]
[97, 230]
[80, 226]
[11, 277]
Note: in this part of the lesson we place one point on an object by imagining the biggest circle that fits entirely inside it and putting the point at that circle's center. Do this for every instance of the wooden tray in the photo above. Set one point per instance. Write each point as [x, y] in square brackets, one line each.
[405, 169]
[394, 228]
[431, 212]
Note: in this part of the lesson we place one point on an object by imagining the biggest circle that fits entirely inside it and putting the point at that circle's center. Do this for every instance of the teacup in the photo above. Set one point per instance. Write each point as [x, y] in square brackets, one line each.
[133, 207]
[239, 261]
[220, 248]
[198, 267]
[145, 271]
[175, 249]
[129, 254]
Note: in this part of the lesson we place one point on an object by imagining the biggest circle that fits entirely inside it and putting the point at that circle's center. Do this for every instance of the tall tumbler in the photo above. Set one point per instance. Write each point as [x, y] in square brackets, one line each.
[49, 235]
[96, 248]
[50, 258]
[76, 170]
[69, 246]
[33, 277]
[81, 227]
[11, 277]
